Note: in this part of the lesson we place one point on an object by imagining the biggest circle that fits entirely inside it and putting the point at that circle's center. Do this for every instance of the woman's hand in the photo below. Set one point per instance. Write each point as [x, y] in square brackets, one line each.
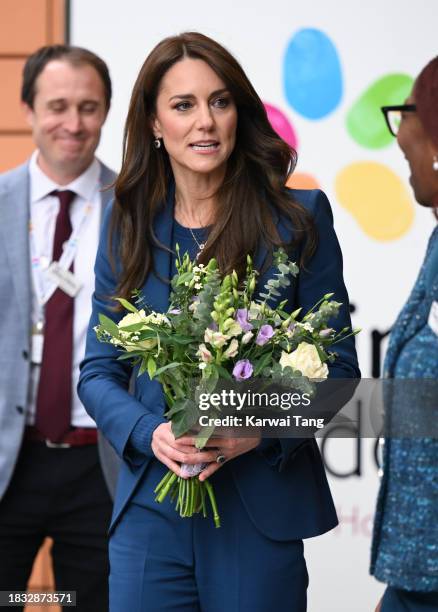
[172, 452]
[229, 448]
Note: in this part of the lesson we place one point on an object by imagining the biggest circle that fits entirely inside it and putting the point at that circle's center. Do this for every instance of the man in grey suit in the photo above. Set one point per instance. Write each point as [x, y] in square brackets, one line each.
[52, 464]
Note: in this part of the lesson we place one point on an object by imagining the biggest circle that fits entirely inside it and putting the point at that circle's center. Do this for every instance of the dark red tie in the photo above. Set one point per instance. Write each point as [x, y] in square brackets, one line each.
[53, 409]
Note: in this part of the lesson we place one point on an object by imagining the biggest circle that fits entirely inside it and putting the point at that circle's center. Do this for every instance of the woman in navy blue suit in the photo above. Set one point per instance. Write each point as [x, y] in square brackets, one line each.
[203, 168]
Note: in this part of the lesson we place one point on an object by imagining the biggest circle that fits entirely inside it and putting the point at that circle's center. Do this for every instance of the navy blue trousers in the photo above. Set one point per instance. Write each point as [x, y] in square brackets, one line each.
[399, 600]
[161, 562]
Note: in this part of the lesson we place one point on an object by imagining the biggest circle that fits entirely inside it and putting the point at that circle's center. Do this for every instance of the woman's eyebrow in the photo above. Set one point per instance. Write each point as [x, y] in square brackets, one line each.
[189, 96]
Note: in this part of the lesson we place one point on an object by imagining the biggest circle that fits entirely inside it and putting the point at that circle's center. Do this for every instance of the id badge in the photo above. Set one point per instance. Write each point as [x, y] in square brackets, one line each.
[64, 279]
[37, 344]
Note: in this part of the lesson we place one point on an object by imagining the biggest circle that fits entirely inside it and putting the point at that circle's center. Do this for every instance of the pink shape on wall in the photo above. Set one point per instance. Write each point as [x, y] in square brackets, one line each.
[281, 125]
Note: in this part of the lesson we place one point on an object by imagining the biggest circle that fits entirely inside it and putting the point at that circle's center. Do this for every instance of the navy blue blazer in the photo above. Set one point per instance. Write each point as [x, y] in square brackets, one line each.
[289, 499]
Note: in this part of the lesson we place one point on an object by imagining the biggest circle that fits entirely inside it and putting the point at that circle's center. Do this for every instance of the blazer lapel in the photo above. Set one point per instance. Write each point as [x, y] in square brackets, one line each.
[14, 225]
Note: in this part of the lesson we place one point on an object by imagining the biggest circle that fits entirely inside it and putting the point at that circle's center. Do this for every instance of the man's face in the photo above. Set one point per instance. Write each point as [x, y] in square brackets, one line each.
[66, 119]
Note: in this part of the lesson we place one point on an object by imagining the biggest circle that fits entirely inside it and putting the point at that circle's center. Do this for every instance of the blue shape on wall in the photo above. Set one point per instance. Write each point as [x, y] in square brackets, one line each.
[312, 74]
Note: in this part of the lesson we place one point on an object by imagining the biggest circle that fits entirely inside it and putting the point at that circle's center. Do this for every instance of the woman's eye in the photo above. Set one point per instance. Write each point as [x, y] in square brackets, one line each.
[182, 106]
[221, 102]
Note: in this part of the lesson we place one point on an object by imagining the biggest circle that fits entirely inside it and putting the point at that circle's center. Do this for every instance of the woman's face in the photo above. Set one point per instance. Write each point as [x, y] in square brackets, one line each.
[419, 151]
[196, 117]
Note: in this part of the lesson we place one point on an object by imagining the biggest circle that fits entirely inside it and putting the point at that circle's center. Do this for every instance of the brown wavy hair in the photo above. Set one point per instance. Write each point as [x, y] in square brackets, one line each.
[254, 183]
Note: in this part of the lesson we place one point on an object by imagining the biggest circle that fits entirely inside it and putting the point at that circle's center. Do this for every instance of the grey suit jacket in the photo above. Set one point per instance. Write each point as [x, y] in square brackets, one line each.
[15, 321]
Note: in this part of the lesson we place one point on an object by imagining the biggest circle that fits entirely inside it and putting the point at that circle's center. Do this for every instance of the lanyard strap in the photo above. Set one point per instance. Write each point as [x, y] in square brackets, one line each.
[45, 287]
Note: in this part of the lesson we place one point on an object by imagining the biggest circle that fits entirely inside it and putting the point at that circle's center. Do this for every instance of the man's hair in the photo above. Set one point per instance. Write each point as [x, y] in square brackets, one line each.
[76, 56]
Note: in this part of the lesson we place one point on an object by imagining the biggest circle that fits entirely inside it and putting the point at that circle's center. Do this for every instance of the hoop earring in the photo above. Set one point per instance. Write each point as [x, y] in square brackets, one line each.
[157, 143]
[435, 163]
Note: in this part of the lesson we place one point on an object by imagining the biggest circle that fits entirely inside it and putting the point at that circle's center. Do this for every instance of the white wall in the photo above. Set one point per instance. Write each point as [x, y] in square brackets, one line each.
[372, 38]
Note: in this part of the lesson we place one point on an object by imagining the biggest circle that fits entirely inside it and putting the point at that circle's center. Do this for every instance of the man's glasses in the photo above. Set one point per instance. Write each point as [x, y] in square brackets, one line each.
[393, 115]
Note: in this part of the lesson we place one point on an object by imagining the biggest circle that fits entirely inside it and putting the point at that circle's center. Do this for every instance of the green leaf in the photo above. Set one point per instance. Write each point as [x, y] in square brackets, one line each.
[169, 366]
[184, 278]
[184, 419]
[262, 363]
[127, 305]
[152, 367]
[223, 372]
[177, 407]
[109, 325]
[204, 435]
[143, 366]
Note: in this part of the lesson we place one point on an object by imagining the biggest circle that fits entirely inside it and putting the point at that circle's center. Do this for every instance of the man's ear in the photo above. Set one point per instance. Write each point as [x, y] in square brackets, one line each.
[28, 113]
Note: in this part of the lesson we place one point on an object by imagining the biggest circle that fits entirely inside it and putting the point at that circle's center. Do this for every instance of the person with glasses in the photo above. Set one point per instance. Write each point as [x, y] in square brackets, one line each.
[405, 539]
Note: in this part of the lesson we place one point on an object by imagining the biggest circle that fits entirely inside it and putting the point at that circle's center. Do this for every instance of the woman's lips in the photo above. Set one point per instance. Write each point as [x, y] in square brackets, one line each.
[205, 147]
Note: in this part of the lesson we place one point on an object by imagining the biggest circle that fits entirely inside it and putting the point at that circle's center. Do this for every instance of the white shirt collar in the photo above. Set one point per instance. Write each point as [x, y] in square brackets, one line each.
[41, 185]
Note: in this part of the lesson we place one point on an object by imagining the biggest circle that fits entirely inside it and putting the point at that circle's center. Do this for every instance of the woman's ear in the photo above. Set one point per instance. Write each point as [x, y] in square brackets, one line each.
[156, 128]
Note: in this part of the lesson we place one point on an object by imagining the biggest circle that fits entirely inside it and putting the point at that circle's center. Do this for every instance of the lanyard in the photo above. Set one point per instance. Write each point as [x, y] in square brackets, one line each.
[45, 287]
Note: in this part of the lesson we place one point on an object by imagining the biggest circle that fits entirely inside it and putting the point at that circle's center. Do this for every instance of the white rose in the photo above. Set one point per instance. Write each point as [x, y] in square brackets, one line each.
[305, 358]
[132, 318]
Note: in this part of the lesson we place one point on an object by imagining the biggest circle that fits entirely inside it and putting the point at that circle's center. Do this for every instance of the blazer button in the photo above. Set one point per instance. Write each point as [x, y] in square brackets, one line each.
[25, 355]
[19, 409]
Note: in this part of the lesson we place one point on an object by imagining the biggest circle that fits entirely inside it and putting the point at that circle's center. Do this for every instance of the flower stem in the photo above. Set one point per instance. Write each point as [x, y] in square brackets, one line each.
[164, 489]
[216, 517]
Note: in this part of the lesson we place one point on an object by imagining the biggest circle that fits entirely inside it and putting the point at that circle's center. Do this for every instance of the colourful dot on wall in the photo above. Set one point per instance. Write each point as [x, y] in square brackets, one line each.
[312, 74]
[302, 180]
[377, 199]
[281, 125]
[365, 121]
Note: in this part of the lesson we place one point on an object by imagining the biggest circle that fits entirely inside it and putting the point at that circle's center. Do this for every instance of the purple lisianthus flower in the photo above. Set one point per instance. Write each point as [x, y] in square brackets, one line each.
[242, 319]
[265, 333]
[243, 369]
[175, 311]
[213, 326]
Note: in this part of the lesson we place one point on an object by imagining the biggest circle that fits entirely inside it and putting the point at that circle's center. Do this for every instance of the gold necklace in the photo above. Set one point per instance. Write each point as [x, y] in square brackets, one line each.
[200, 245]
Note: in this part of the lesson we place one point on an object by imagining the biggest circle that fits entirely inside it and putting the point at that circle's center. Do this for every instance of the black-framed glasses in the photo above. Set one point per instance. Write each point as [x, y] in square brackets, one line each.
[393, 115]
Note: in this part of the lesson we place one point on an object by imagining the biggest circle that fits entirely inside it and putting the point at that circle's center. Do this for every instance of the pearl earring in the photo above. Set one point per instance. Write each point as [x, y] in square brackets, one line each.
[435, 163]
[157, 143]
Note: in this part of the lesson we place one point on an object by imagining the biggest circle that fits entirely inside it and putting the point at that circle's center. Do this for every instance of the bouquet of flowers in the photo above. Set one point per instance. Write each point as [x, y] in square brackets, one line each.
[215, 329]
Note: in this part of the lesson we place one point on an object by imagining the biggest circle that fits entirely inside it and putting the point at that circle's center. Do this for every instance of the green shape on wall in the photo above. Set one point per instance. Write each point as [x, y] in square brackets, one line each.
[365, 122]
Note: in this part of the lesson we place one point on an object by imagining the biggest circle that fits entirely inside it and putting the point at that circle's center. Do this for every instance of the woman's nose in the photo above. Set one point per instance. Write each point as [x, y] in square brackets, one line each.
[205, 119]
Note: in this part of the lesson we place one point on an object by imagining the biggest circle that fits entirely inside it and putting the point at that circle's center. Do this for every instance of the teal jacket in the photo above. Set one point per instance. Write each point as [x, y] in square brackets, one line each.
[405, 540]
